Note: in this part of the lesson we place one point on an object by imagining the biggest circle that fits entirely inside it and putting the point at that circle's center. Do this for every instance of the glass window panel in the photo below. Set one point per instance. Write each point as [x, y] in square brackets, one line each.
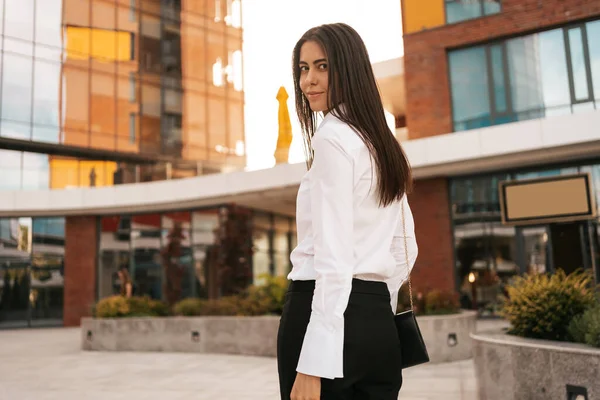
[176, 258]
[261, 257]
[132, 128]
[76, 97]
[36, 171]
[1, 19]
[469, 85]
[103, 15]
[192, 47]
[46, 91]
[113, 253]
[554, 72]
[18, 46]
[147, 270]
[461, 10]
[18, 19]
[194, 124]
[132, 10]
[593, 38]
[102, 108]
[14, 276]
[578, 65]
[497, 58]
[491, 7]
[48, 23]
[132, 87]
[171, 220]
[47, 272]
[10, 170]
[525, 77]
[218, 143]
[16, 89]
[125, 107]
[45, 134]
[15, 130]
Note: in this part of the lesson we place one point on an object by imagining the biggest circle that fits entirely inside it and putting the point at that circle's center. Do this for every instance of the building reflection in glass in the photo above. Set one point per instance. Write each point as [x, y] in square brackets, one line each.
[205, 253]
[120, 78]
[31, 271]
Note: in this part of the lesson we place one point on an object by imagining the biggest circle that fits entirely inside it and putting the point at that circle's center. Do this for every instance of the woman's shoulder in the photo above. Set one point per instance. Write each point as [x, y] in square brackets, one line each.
[334, 130]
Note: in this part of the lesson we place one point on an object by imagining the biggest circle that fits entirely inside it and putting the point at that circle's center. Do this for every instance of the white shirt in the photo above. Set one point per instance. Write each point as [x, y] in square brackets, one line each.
[344, 234]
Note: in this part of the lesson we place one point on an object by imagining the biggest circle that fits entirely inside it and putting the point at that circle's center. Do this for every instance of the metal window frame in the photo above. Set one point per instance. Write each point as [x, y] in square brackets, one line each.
[508, 90]
[481, 12]
[586, 61]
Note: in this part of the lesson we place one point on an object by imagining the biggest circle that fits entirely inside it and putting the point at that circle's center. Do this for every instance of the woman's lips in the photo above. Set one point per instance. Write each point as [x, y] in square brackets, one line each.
[312, 96]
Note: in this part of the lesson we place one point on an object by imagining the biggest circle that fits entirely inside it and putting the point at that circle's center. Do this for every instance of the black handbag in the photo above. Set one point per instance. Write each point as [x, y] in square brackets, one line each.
[412, 345]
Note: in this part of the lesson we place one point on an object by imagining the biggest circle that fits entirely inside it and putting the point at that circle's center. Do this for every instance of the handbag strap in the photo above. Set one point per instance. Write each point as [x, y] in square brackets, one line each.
[406, 255]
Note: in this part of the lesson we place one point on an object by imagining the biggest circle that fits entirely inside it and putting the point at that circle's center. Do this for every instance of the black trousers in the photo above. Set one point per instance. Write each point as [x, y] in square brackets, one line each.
[372, 368]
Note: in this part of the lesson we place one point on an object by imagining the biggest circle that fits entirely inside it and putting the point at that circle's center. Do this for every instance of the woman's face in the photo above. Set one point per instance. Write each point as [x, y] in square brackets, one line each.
[314, 78]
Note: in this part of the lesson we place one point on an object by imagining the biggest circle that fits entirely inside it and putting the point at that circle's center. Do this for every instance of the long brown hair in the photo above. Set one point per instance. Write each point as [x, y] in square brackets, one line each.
[352, 83]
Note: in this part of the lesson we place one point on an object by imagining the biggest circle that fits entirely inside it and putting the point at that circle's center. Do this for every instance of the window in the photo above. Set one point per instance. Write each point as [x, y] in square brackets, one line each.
[534, 76]
[593, 39]
[132, 87]
[132, 10]
[470, 91]
[218, 11]
[462, 10]
[132, 128]
[234, 13]
[578, 65]
[218, 73]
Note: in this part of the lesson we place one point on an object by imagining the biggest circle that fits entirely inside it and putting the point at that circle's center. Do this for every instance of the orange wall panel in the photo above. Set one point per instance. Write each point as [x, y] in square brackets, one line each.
[422, 14]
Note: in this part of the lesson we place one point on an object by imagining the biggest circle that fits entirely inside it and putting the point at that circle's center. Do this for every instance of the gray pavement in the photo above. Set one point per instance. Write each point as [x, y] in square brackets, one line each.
[44, 364]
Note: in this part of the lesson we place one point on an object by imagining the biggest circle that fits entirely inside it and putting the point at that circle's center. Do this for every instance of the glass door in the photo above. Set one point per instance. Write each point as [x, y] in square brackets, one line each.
[47, 272]
[31, 272]
[15, 278]
[535, 257]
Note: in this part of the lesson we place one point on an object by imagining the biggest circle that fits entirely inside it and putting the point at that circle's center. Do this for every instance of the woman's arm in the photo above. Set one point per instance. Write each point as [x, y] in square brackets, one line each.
[399, 250]
[331, 200]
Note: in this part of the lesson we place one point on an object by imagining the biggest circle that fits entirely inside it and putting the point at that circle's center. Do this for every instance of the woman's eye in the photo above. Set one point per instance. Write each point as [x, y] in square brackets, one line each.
[303, 68]
[323, 66]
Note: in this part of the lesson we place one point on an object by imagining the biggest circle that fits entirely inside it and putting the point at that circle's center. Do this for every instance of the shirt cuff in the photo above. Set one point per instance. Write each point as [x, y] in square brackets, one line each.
[322, 351]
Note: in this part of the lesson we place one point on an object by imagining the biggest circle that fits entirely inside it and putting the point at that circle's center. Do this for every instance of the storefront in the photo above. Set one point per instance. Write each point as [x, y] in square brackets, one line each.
[490, 251]
[218, 250]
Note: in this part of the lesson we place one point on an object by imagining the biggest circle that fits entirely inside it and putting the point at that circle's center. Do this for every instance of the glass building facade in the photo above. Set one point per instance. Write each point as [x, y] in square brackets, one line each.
[548, 73]
[488, 253]
[103, 92]
[219, 251]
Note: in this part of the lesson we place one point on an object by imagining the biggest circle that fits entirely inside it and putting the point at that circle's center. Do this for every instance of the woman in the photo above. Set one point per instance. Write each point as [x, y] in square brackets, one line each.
[125, 280]
[337, 337]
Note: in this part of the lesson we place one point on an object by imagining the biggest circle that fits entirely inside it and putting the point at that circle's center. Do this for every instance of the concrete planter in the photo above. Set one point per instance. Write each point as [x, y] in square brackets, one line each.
[447, 337]
[255, 336]
[248, 335]
[513, 368]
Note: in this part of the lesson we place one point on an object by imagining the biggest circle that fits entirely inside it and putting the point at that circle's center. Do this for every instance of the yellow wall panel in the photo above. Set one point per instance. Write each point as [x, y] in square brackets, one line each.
[83, 43]
[422, 14]
[74, 173]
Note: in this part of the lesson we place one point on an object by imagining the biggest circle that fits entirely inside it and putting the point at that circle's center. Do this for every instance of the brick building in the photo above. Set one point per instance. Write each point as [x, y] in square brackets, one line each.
[502, 91]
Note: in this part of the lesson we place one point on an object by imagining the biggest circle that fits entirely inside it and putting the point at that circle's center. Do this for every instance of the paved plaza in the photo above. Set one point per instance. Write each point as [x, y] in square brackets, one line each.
[44, 364]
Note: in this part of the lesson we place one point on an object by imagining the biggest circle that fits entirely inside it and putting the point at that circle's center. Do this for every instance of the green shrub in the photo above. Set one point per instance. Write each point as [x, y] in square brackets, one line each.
[201, 307]
[585, 328]
[267, 298]
[439, 302]
[542, 306]
[111, 307]
[120, 307]
[264, 299]
[189, 307]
